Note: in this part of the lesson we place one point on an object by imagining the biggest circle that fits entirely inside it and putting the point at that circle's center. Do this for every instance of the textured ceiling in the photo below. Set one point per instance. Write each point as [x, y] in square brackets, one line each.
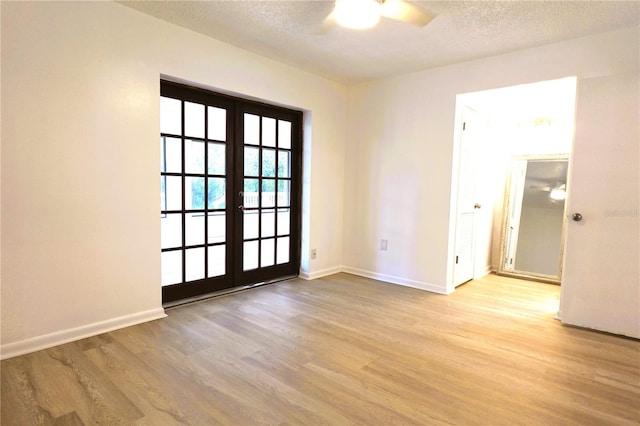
[288, 31]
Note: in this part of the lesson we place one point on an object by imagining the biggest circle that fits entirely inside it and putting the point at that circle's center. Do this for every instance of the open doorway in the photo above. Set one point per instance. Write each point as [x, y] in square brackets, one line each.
[526, 121]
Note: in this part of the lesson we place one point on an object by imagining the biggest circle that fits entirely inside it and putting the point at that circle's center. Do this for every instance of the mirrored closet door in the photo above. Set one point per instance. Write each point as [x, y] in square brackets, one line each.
[534, 219]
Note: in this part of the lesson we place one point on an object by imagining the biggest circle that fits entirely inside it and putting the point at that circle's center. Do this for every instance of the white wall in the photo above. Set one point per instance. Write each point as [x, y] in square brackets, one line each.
[400, 151]
[80, 115]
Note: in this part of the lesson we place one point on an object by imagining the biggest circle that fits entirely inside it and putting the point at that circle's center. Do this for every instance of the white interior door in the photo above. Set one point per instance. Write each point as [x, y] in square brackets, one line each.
[601, 279]
[464, 260]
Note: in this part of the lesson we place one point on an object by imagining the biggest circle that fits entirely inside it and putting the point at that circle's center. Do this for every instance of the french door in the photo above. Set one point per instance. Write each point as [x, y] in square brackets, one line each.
[230, 191]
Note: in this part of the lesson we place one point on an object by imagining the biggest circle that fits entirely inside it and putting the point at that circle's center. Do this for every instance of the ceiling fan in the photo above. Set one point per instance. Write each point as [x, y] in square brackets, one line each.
[363, 14]
[557, 192]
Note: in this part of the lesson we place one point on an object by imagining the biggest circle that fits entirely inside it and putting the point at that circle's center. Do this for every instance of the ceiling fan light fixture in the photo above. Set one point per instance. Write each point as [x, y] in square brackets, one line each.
[558, 193]
[357, 14]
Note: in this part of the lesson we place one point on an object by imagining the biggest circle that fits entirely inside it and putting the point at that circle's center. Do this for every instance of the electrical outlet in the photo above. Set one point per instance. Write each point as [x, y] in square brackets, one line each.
[384, 245]
[314, 253]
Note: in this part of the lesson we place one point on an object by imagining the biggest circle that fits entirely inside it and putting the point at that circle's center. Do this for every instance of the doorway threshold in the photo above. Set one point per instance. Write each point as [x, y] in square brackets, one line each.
[207, 296]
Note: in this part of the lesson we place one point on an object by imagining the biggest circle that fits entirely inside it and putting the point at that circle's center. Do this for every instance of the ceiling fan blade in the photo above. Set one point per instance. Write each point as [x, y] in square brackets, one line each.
[403, 11]
[540, 188]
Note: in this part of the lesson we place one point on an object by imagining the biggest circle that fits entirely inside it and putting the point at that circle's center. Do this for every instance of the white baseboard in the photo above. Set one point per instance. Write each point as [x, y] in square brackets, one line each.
[482, 272]
[319, 274]
[65, 336]
[376, 276]
[397, 280]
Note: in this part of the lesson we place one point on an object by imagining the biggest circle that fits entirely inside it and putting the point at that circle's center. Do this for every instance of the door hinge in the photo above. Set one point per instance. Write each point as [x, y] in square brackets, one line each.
[464, 125]
[456, 260]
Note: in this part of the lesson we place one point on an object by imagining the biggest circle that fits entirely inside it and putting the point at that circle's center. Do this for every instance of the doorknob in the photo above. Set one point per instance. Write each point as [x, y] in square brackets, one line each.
[577, 217]
[477, 206]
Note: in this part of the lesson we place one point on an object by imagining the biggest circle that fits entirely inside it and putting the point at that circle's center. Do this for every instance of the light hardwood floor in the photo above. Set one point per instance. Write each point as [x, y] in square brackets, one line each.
[338, 350]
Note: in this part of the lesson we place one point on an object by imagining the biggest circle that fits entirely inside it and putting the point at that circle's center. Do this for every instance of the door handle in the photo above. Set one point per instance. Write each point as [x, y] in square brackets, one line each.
[477, 206]
[241, 208]
[577, 217]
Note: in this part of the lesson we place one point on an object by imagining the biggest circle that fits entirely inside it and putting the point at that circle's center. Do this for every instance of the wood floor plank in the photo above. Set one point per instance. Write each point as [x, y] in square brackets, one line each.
[338, 350]
[97, 400]
[145, 390]
[70, 419]
[20, 399]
